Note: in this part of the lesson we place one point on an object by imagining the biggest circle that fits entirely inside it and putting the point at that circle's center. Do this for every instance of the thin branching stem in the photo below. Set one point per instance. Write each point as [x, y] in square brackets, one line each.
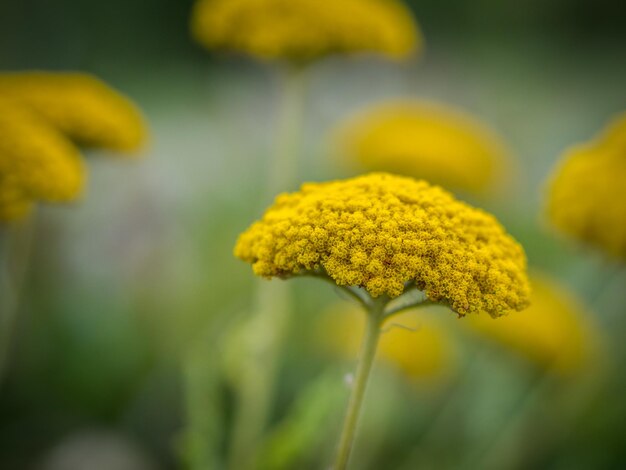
[360, 295]
[366, 361]
[404, 307]
[378, 310]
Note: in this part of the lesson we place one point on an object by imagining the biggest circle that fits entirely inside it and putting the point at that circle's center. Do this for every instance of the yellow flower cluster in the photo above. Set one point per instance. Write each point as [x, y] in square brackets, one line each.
[424, 140]
[587, 194]
[42, 117]
[303, 30]
[36, 162]
[80, 106]
[421, 348]
[381, 231]
[555, 332]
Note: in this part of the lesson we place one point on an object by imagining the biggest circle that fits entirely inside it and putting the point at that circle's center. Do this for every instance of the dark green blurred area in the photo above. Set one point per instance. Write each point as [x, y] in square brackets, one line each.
[92, 35]
[128, 284]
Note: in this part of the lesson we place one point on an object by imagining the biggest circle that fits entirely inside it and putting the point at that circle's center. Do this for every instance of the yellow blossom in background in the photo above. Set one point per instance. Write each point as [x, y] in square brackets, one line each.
[303, 30]
[418, 346]
[40, 115]
[587, 196]
[36, 162]
[13, 206]
[556, 332]
[614, 136]
[381, 231]
[424, 140]
[80, 106]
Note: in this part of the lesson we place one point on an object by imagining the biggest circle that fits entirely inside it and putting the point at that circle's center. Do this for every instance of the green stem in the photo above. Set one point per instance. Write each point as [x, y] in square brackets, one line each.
[366, 360]
[352, 291]
[13, 268]
[264, 332]
[203, 412]
[283, 167]
[270, 319]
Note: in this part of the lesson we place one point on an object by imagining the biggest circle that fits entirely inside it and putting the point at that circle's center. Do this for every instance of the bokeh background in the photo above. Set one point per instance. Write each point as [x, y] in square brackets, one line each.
[132, 291]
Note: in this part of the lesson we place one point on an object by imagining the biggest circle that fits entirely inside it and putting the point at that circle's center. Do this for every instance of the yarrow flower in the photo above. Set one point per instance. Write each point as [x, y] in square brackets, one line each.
[80, 106]
[420, 348]
[299, 31]
[383, 233]
[586, 196]
[43, 116]
[556, 332]
[424, 140]
[293, 34]
[36, 163]
[393, 243]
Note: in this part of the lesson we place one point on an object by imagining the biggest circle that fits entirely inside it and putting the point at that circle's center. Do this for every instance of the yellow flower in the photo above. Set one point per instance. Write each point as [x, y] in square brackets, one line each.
[380, 232]
[303, 30]
[36, 162]
[424, 140]
[556, 332]
[614, 136]
[80, 106]
[13, 206]
[419, 347]
[587, 196]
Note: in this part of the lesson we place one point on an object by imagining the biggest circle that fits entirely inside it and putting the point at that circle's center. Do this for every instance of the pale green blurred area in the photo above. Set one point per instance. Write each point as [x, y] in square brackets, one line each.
[133, 293]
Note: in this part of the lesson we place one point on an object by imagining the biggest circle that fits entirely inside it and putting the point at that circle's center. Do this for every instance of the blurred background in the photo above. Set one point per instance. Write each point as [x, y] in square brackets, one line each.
[120, 358]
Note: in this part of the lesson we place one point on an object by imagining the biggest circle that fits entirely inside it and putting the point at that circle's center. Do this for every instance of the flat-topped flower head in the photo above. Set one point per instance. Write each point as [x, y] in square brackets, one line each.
[587, 197]
[36, 162]
[418, 347]
[556, 332]
[383, 233]
[80, 106]
[424, 140]
[299, 31]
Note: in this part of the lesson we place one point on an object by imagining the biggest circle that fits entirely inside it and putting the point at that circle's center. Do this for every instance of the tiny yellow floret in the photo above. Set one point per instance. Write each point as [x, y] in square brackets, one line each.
[36, 163]
[424, 140]
[556, 332]
[300, 31]
[587, 196]
[80, 106]
[383, 232]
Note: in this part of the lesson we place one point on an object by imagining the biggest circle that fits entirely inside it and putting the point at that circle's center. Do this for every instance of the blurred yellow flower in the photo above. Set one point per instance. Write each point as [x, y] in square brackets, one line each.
[382, 232]
[36, 163]
[303, 30]
[614, 136]
[587, 195]
[40, 114]
[424, 140]
[13, 206]
[556, 332]
[418, 346]
[80, 106]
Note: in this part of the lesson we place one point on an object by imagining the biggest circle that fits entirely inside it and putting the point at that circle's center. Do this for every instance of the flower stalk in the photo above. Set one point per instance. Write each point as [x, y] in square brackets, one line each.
[14, 262]
[378, 310]
[272, 303]
[283, 167]
[392, 243]
[375, 317]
